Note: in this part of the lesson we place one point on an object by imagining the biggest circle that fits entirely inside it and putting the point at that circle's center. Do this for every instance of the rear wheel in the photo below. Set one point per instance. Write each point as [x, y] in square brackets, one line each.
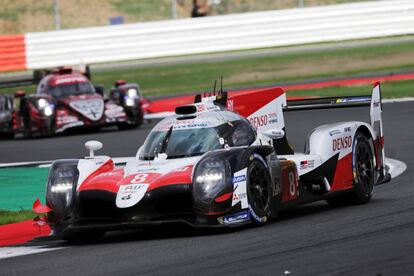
[259, 192]
[364, 174]
[127, 126]
[27, 128]
[364, 179]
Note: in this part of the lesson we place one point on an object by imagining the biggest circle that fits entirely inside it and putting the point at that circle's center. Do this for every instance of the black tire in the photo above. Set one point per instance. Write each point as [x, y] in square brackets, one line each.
[364, 176]
[364, 180]
[259, 192]
[27, 131]
[127, 126]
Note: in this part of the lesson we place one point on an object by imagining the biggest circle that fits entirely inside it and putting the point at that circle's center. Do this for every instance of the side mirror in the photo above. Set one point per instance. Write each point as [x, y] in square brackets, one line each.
[100, 90]
[275, 133]
[20, 94]
[92, 146]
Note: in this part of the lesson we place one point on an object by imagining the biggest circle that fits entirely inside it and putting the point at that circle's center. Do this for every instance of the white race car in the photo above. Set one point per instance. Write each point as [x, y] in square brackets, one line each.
[223, 161]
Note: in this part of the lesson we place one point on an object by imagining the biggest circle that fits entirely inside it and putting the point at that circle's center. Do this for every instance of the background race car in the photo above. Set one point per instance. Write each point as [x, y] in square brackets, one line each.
[219, 162]
[66, 99]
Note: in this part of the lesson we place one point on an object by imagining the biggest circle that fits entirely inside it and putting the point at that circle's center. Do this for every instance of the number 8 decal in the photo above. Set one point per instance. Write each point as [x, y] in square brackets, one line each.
[292, 184]
[139, 178]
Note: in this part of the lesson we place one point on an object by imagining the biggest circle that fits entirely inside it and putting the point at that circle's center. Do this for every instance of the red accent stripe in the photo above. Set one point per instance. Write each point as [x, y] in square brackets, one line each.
[223, 197]
[343, 178]
[12, 53]
[21, 232]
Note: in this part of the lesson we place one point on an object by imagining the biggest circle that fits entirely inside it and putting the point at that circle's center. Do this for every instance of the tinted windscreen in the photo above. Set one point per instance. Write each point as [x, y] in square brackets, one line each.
[181, 143]
[70, 89]
[191, 142]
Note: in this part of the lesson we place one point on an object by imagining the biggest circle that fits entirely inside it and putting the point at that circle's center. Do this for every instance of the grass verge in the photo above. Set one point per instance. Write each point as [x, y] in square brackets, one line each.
[165, 80]
[7, 217]
[268, 70]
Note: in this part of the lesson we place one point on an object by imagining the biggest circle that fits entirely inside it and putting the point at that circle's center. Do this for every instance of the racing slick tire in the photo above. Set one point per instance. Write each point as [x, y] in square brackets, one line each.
[259, 191]
[127, 126]
[27, 130]
[364, 174]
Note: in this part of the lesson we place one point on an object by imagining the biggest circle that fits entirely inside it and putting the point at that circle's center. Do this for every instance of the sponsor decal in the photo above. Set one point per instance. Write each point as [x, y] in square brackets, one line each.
[376, 104]
[259, 121]
[130, 194]
[91, 109]
[355, 99]
[238, 179]
[194, 125]
[66, 80]
[273, 118]
[256, 217]
[347, 129]
[200, 108]
[334, 132]
[230, 105]
[307, 164]
[341, 143]
[239, 197]
[239, 188]
[235, 218]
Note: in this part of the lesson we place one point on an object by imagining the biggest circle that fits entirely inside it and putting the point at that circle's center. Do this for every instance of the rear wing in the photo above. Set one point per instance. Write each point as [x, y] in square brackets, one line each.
[328, 102]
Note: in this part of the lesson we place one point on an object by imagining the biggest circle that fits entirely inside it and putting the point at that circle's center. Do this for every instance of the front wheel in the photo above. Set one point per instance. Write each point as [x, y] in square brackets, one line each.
[27, 128]
[259, 191]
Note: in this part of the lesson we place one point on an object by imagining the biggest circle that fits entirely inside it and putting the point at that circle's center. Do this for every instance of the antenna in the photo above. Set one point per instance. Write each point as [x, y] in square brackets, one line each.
[221, 86]
[215, 83]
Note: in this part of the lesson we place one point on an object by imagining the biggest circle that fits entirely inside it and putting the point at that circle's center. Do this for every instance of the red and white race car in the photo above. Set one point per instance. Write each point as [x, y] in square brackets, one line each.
[222, 161]
[66, 99]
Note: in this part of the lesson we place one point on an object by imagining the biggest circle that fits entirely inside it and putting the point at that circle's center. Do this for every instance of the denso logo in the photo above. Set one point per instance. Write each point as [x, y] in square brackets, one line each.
[259, 121]
[341, 143]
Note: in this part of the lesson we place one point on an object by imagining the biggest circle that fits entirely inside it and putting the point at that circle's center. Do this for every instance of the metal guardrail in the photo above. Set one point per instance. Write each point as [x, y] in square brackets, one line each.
[219, 33]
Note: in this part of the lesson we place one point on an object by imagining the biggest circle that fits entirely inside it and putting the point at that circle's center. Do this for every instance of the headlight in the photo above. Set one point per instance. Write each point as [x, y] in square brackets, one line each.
[45, 107]
[132, 93]
[210, 178]
[42, 103]
[129, 101]
[48, 111]
[61, 185]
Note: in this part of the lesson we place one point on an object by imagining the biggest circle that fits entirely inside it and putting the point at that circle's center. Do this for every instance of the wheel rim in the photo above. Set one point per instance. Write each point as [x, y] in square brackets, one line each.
[364, 166]
[259, 188]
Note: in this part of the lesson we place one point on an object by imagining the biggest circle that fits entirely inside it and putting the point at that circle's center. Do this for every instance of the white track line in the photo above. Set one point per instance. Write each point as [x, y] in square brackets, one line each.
[399, 100]
[396, 167]
[9, 252]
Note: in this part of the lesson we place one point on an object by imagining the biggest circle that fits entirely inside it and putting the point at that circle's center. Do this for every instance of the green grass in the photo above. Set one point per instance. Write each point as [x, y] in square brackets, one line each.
[269, 70]
[7, 217]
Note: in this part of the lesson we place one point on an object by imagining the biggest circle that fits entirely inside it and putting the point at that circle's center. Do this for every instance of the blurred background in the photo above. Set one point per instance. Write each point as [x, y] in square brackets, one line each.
[45, 15]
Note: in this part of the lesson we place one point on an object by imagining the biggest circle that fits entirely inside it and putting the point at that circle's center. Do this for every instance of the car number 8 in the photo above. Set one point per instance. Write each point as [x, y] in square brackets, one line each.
[292, 184]
[139, 178]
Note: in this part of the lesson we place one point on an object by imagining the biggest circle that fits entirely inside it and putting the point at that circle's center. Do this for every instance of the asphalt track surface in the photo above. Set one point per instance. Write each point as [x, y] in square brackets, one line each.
[316, 239]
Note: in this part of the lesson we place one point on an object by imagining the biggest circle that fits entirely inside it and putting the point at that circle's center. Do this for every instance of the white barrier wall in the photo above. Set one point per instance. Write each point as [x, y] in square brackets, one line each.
[219, 33]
